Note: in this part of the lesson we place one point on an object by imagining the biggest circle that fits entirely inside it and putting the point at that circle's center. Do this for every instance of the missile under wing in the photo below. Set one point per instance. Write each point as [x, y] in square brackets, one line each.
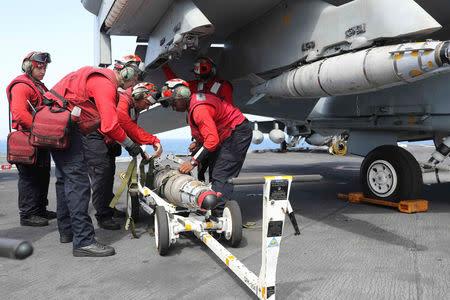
[374, 72]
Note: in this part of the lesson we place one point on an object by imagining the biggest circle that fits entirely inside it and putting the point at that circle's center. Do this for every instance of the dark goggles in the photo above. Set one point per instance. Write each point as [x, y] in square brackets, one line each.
[42, 57]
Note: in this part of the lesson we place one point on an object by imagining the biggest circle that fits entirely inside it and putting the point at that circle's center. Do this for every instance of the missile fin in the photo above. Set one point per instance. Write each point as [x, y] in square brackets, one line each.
[255, 79]
[255, 99]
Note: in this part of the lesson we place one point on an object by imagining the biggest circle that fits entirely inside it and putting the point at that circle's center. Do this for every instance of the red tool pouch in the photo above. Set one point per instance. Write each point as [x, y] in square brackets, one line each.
[19, 148]
[50, 127]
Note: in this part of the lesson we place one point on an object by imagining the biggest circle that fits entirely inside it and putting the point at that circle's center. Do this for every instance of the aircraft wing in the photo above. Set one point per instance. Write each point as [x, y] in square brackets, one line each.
[254, 30]
[282, 56]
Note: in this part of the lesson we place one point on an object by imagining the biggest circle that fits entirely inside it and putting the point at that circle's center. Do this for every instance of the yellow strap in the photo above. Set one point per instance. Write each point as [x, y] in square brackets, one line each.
[151, 231]
[129, 222]
[131, 170]
[251, 225]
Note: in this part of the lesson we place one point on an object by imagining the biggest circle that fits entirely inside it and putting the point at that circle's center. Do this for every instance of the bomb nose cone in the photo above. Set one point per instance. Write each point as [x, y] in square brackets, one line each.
[207, 200]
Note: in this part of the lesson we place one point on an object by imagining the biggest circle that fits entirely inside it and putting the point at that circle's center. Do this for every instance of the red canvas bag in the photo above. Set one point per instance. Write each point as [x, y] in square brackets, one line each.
[51, 126]
[19, 149]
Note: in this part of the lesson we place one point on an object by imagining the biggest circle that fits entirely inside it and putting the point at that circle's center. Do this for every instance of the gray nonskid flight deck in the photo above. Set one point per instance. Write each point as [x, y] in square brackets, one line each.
[345, 251]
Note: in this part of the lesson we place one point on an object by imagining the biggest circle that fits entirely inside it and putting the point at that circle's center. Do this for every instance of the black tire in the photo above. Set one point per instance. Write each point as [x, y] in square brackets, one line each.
[395, 166]
[236, 219]
[135, 207]
[161, 230]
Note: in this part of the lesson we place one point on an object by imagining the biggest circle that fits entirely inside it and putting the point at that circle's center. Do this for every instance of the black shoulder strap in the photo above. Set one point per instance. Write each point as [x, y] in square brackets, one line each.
[64, 101]
[9, 103]
[36, 84]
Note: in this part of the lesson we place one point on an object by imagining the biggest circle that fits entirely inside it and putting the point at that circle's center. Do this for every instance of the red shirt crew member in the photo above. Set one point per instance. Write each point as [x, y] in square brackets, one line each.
[24, 94]
[94, 92]
[213, 122]
[131, 103]
[206, 80]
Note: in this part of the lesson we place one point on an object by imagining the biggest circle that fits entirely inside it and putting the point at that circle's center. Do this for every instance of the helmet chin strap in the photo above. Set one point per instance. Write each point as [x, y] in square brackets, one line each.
[119, 79]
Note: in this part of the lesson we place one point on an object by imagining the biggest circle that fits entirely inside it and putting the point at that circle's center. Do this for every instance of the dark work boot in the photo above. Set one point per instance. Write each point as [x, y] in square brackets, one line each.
[118, 214]
[49, 215]
[63, 239]
[95, 249]
[34, 221]
[108, 224]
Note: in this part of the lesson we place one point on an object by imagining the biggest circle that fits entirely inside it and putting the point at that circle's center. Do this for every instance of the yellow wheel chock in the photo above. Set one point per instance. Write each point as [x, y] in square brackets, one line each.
[405, 206]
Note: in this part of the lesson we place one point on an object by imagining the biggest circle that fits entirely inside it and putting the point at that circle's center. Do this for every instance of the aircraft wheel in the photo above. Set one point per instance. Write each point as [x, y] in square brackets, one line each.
[161, 230]
[391, 173]
[135, 207]
[232, 213]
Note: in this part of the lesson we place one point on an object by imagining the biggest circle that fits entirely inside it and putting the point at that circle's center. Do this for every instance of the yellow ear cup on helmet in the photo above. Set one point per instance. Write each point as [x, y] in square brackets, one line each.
[27, 66]
[182, 92]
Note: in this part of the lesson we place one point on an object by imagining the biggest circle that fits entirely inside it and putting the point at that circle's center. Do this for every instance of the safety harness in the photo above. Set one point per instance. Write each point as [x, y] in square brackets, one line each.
[130, 181]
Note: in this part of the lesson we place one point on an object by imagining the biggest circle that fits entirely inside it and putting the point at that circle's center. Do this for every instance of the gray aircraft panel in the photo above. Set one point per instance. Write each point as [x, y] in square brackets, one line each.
[228, 16]
[93, 6]
[139, 17]
[254, 46]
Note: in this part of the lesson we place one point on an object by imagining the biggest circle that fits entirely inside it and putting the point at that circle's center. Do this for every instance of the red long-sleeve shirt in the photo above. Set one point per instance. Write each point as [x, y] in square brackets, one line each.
[104, 93]
[225, 92]
[20, 109]
[134, 132]
[203, 116]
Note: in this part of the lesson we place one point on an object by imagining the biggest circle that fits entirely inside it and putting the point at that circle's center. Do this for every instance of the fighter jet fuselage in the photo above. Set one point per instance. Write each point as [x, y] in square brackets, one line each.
[366, 71]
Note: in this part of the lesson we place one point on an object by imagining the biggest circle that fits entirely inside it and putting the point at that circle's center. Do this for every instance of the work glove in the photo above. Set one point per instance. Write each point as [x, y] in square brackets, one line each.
[134, 150]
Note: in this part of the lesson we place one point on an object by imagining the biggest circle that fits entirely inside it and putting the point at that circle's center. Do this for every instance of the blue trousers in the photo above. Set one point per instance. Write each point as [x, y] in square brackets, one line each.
[73, 192]
[228, 162]
[101, 162]
[33, 185]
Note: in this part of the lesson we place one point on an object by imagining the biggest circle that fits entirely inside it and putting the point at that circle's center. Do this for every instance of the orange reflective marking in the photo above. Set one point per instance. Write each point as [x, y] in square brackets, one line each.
[415, 73]
[287, 19]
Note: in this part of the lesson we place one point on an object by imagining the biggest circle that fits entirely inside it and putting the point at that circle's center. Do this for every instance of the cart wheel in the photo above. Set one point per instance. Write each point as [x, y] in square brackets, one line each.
[161, 230]
[232, 213]
[135, 207]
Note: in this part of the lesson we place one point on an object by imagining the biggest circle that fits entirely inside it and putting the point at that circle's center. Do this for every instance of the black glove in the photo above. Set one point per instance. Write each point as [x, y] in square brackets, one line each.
[134, 150]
